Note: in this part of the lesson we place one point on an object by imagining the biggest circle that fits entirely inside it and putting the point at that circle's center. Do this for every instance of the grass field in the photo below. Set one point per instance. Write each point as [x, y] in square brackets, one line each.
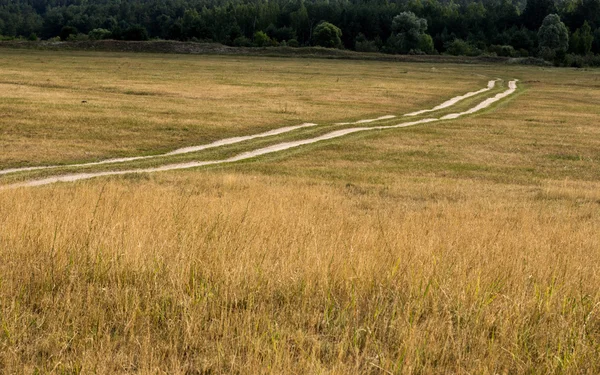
[467, 246]
[140, 103]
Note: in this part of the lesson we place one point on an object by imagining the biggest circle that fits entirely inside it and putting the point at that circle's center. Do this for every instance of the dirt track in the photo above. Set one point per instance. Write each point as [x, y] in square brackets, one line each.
[512, 86]
[234, 140]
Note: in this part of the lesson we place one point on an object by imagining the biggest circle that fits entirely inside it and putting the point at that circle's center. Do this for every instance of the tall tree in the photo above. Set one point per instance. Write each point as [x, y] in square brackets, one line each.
[553, 37]
[409, 34]
[327, 35]
[582, 40]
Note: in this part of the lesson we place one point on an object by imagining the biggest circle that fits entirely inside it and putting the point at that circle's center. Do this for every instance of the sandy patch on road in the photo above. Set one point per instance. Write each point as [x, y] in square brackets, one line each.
[455, 100]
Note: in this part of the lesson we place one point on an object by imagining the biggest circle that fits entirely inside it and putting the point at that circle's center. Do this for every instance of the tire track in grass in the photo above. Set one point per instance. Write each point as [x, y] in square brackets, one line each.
[234, 140]
[455, 100]
[179, 151]
[512, 86]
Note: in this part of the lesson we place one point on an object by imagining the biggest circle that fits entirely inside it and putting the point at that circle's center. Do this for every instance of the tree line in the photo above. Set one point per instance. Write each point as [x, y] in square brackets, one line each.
[497, 27]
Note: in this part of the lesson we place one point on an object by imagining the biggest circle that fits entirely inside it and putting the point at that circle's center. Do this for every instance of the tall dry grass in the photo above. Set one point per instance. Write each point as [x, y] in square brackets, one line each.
[224, 273]
[471, 246]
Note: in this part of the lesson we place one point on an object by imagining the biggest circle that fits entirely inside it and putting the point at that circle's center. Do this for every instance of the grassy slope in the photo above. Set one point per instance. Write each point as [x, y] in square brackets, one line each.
[468, 246]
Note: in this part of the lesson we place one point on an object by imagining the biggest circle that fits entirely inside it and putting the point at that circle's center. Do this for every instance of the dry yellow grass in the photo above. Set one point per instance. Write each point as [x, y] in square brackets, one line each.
[141, 104]
[225, 273]
[470, 246]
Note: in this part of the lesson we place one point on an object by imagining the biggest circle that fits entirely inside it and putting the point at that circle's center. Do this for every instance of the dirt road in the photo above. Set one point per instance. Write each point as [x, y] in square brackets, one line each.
[512, 86]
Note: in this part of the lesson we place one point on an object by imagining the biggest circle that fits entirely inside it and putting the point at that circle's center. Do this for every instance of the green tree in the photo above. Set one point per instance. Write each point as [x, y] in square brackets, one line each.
[327, 35]
[553, 37]
[193, 25]
[66, 32]
[136, 32]
[596, 43]
[408, 34]
[301, 23]
[582, 40]
[98, 34]
[242, 41]
[459, 47]
[426, 44]
[362, 44]
[261, 39]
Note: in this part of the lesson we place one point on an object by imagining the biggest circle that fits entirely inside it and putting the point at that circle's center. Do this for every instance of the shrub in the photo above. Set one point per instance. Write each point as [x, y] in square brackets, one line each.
[506, 50]
[99, 34]
[426, 44]
[32, 37]
[261, 39]
[293, 43]
[135, 32]
[327, 35]
[66, 32]
[280, 34]
[242, 41]
[78, 37]
[459, 47]
[578, 61]
[362, 44]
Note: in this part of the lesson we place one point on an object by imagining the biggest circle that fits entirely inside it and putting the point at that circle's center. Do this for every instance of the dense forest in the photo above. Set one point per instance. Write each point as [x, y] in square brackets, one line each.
[559, 30]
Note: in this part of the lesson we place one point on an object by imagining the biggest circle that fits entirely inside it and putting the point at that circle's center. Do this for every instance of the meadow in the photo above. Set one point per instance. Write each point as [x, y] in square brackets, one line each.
[465, 246]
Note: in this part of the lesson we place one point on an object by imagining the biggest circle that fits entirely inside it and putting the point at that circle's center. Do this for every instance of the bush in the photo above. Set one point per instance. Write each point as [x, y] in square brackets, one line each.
[78, 37]
[99, 34]
[578, 61]
[506, 50]
[361, 44]
[135, 32]
[293, 43]
[575, 61]
[366, 46]
[261, 39]
[459, 47]
[199, 40]
[242, 41]
[32, 37]
[327, 35]
[426, 44]
[533, 61]
[66, 32]
[280, 34]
